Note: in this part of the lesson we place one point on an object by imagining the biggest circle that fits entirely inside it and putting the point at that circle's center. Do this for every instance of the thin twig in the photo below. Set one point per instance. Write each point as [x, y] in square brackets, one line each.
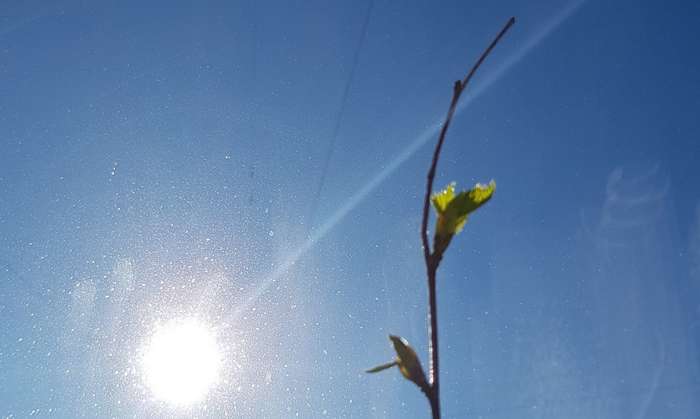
[431, 259]
[458, 89]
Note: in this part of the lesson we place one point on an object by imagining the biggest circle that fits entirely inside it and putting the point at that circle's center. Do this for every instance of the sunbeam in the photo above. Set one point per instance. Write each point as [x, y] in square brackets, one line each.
[407, 153]
[215, 212]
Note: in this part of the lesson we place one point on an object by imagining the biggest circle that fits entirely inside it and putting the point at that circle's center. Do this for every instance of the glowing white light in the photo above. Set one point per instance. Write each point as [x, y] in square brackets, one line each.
[181, 362]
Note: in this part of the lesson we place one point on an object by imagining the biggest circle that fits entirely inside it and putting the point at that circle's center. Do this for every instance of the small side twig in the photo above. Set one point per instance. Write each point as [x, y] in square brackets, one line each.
[432, 260]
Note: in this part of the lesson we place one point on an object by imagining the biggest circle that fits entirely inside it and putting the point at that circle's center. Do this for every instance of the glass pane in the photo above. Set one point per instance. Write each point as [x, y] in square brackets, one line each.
[212, 209]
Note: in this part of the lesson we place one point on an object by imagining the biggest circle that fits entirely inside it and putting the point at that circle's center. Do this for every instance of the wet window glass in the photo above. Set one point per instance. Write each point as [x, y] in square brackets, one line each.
[213, 209]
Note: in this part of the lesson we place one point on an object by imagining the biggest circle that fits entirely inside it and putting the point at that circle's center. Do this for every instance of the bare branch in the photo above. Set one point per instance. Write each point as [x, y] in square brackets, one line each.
[458, 89]
[431, 260]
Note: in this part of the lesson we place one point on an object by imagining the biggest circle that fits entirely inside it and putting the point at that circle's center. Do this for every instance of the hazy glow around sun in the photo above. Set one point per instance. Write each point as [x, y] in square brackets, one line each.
[181, 362]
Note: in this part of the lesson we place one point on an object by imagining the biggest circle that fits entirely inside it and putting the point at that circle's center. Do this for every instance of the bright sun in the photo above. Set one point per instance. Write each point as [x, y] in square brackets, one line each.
[181, 362]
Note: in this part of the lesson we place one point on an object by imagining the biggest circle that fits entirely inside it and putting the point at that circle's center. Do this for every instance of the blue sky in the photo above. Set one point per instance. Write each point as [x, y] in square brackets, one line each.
[260, 167]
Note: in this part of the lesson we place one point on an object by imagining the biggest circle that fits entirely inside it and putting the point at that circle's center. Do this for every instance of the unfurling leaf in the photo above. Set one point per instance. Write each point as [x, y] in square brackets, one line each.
[442, 199]
[408, 362]
[382, 367]
[453, 210]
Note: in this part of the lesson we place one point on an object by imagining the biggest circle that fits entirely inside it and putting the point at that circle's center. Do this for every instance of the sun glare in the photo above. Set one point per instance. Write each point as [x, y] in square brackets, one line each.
[181, 362]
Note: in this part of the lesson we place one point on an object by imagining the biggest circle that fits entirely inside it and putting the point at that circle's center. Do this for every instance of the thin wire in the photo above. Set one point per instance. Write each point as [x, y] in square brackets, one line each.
[339, 117]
